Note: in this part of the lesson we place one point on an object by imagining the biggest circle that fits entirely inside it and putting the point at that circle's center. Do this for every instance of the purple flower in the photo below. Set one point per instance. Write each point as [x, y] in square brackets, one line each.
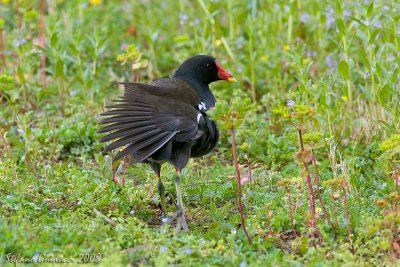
[304, 17]
[330, 20]
[311, 53]
[183, 18]
[369, 47]
[164, 219]
[154, 36]
[194, 22]
[123, 46]
[163, 249]
[378, 24]
[239, 43]
[188, 251]
[385, 8]
[18, 42]
[330, 63]
[290, 103]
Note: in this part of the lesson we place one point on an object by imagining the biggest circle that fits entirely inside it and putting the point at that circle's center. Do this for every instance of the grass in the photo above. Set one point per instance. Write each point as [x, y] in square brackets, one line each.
[329, 70]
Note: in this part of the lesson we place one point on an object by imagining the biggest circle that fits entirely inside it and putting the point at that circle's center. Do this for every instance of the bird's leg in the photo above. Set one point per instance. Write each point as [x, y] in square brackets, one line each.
[180, 214]
[161, 191]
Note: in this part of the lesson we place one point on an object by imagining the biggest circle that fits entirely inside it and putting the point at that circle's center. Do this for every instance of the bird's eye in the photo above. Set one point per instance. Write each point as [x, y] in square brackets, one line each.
[208, 65]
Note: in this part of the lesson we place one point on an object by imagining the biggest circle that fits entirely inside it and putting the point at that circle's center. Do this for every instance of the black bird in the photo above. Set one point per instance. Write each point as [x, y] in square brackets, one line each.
[167, 121]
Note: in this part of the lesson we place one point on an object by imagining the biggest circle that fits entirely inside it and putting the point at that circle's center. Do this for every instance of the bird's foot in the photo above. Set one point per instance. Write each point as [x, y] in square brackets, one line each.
[180, 219]
[181, 222]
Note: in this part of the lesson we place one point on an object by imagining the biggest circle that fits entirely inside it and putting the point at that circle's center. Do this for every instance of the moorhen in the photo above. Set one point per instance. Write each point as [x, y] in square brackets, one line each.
[167, 121]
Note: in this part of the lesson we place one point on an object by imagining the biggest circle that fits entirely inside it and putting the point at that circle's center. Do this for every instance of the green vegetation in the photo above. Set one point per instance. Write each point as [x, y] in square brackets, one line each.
[319, 83]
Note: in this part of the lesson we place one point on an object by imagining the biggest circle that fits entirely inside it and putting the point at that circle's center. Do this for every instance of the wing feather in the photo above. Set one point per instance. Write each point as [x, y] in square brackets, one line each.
[145, 119]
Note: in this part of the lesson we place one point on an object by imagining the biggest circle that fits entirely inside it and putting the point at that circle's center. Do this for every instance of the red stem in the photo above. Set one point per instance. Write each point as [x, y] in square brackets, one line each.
[395, 240]
[239, 185]
[395, 176]
[137, 76]
[346, 211]
[319, 191]
[311, 197]
[42, 40]
[123, 170]
[395, 230]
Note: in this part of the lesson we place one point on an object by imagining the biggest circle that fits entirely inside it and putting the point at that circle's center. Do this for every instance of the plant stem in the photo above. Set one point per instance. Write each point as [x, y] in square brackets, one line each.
[231, 21]
[346, 212]
[319, 192]
[239, 185]
[395, 230]
[334, 209]
[62, 96]
[315, 232]
[19, 17]
[123, 170]
[2, 51]
[395, 176]
[290, 209]
[42, 41]
[289, 29]
[251, 63]
[395, 241]
[270, 232]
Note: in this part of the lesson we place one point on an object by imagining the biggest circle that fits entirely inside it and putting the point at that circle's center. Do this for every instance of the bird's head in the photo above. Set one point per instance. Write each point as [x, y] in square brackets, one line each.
[203, 69]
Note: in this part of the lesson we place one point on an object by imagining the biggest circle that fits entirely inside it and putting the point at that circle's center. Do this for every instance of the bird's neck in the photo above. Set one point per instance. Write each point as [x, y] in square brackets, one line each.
[202, 89]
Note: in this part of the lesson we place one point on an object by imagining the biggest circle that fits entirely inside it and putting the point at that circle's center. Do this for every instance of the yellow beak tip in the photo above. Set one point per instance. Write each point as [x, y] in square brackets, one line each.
[232, 80]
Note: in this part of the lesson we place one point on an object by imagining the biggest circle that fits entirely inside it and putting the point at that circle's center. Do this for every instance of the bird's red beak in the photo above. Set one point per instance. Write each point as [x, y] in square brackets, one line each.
[223, 74]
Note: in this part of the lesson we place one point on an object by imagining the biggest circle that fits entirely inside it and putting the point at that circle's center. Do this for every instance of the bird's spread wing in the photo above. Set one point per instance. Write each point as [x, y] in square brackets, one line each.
[145, 119]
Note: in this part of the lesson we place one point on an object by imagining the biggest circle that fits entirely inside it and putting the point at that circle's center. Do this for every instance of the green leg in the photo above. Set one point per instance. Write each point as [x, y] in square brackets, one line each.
[161, 191]
[181, 220]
